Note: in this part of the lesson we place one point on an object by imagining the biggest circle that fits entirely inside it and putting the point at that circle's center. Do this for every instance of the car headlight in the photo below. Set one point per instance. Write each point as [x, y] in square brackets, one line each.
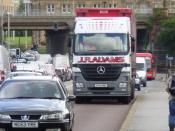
[56, 116]
[123, 85]
[79, 85]
[4, 117]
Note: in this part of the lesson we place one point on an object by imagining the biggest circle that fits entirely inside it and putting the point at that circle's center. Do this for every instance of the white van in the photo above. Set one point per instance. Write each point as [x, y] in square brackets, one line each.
[4, 63]
[141, 69]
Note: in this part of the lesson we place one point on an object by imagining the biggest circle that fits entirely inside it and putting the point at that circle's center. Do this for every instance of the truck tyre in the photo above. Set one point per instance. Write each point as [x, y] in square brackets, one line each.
[78, 100]
[126, 99]
[144, 84]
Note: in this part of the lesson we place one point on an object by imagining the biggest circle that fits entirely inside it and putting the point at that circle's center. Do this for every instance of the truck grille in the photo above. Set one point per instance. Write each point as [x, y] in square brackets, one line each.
[90, 72]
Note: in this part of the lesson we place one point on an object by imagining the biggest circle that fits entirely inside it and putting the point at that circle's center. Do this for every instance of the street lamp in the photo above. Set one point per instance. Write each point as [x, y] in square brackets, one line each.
[8, 26]
[2, 22]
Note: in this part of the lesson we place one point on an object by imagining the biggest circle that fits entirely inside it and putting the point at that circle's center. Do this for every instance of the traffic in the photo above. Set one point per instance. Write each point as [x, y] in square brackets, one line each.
[93, 88]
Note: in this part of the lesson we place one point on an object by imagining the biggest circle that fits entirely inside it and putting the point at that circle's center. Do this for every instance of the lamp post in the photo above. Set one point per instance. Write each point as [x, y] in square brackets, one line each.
[8, 26]
[2, 22]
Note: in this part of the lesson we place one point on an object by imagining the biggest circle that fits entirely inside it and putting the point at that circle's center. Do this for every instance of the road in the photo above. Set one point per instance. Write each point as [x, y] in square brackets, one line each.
[99, 115]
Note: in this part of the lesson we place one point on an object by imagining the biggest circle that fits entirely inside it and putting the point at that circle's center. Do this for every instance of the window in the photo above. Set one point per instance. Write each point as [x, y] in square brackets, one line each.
[112, 5]
[31, 89]
[50, 8]
[81, 5]
[101, 42]
[130, 5]
[66, 8]
[96, 5]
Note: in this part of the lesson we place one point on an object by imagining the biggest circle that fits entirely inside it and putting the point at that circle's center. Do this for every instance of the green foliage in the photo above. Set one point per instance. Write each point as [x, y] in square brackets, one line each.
[158, 16]
[20, 40]
[167, 35]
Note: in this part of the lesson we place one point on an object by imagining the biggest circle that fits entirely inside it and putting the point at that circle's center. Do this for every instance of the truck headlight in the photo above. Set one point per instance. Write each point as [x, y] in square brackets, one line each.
[4, 117]
[123, 85]
[79, 85]
[56, 116]
[76, 69]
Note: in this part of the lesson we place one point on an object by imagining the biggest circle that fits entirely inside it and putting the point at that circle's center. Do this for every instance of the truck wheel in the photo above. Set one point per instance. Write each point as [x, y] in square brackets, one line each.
[144, 84]
[126, 100]
[78, 100]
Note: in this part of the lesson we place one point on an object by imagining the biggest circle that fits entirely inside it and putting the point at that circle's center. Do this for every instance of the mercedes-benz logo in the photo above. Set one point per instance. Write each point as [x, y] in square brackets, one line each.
[100, 70]
[25, 117]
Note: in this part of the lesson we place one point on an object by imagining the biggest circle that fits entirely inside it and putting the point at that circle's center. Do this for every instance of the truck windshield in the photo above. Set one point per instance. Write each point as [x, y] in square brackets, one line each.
[101, 43]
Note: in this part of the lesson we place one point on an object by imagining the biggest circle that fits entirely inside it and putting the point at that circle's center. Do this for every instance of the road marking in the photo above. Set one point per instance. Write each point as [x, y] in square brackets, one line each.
[130, 115]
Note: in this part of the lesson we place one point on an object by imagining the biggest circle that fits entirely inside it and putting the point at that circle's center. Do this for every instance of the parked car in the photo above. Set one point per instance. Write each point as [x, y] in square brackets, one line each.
[4, 63]
[141, 70]
[35, 102]
[137, 82]
[24, 73]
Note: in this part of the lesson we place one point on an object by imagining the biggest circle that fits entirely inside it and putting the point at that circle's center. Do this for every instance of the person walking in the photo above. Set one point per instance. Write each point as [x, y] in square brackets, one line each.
[171, 91]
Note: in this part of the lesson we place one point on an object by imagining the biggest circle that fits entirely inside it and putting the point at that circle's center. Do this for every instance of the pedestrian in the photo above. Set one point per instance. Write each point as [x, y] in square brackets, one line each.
[171, 91]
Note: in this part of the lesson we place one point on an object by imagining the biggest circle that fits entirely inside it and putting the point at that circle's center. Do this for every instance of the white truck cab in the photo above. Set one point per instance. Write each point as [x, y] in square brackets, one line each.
[141, 69]
[104, 49]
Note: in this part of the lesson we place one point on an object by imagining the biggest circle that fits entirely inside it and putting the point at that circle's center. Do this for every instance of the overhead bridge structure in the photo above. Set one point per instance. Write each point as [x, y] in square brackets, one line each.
[57, 29]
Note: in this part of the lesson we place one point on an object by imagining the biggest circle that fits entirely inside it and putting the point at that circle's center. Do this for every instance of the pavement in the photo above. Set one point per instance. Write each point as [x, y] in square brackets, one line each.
[150, 109]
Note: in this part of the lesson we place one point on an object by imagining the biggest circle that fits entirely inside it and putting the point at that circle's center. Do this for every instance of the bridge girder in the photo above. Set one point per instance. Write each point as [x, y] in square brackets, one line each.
[47, 22]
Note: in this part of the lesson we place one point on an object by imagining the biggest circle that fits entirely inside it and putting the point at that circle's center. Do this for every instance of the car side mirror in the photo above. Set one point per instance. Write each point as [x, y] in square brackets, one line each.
[71, 98]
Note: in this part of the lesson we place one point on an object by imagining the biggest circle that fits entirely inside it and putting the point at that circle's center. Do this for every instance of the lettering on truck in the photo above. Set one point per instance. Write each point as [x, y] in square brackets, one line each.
[101, 59]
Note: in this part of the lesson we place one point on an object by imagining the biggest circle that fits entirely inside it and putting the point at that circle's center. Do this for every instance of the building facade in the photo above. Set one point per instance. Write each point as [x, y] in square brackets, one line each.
[66, 7]
[8, 6]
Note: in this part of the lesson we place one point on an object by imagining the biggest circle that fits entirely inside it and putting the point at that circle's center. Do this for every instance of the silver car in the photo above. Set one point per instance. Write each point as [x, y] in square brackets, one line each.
[35, 103]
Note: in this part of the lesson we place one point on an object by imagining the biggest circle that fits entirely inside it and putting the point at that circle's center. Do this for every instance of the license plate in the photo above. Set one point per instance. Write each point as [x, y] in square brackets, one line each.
[25, 124]
[101, 85]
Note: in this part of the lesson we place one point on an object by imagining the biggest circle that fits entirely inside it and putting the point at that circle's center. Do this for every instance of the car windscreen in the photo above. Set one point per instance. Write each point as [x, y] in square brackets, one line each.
[41, 89]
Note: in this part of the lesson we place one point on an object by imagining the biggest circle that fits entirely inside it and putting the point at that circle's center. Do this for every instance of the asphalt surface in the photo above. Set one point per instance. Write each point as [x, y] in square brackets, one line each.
[99, 115]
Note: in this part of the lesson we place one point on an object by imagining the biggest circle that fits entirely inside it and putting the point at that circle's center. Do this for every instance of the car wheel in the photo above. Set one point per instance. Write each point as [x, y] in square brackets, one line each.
[78, 100]
[144, 84]
[66, 128]
[138, 88]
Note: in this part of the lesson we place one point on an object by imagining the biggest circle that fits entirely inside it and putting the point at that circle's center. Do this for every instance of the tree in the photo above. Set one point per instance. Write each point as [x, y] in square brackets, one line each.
[153, 23]
[167, 35]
